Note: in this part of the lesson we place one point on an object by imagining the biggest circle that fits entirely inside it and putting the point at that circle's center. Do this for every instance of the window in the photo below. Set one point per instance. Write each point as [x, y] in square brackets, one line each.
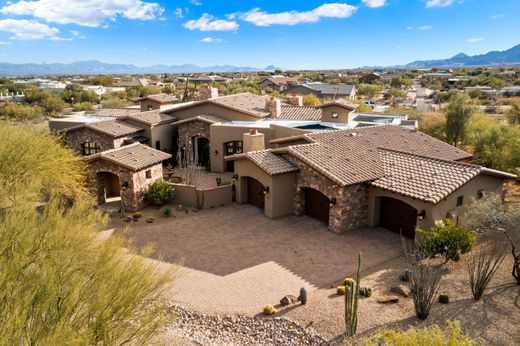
[150, 107]
[480, 194]
[90, 148]
[148, 174]
[158, 145]
[234, 147]
[334, 114]
[460, 201]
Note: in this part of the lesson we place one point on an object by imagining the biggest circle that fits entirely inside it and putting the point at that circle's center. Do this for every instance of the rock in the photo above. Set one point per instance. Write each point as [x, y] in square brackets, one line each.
[288, 300]
[388, 300]
[402, 290]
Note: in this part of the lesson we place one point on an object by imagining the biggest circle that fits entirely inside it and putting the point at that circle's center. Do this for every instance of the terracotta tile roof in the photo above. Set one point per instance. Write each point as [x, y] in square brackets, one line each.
[114, 112]
[210, 119]
[267, 161]
[152, 117]
[115, 128]
[248, 102]
[326, 89]
[134, 156]
[299, 113]
[280, 80]
[161, 98]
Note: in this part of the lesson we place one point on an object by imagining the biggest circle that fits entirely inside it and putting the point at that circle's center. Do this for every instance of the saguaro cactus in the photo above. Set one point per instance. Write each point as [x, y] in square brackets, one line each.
[351, 301]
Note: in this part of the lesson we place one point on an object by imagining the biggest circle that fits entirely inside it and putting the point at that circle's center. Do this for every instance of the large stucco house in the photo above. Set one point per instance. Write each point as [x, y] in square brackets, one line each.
[343, 168]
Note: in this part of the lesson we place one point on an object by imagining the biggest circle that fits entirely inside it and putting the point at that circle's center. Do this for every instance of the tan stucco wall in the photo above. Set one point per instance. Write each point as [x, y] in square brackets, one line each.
[189, 195]
[145, 103]
[279, 199]
[211, 109]
[343, 114]
[439, 211]
[163, 133]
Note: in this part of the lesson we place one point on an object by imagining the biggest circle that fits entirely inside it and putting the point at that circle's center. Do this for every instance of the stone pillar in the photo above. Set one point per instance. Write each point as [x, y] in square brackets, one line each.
[273, 106]
[253, 141]
[206, 92]
[295, 100]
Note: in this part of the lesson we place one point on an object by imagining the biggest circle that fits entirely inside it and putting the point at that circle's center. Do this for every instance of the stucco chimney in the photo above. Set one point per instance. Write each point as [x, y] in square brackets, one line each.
[295, 100]
[273, 106]
[253, 141]
[207, 92]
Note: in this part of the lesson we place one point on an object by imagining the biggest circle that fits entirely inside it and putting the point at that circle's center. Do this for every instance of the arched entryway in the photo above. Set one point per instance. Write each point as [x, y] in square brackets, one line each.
[255, 193]
[201, 151]
[317, 205]
[398, 216]
[109, 187]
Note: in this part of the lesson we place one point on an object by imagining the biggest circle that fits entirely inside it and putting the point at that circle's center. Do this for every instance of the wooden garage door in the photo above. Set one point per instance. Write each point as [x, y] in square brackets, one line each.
[317, 205]
[255, 193]
[398, 217]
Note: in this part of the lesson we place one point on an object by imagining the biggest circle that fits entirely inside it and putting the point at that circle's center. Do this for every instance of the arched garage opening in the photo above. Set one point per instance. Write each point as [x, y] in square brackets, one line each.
[255, 193]
[109, 187]
[398, 216]
[317, 205]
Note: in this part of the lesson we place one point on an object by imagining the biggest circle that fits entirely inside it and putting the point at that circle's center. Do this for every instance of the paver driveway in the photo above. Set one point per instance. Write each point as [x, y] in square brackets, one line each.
[237, 260]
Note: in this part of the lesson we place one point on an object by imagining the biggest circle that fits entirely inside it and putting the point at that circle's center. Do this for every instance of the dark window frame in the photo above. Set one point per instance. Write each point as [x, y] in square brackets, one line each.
[90, 148]
[460, 201]
[233, 147]
[148, 174]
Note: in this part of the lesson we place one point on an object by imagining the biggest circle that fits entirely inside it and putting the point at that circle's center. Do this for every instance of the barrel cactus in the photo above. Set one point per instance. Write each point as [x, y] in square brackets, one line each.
[406, 275]
[303, 296]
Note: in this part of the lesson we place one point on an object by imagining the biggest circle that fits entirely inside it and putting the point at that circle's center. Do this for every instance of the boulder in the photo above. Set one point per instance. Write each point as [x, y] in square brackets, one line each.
[402, 290]
[388, 300]
[288, 300]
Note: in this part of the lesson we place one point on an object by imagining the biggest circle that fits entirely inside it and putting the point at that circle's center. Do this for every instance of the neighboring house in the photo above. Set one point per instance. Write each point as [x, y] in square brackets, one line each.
[278, 83]
[157, 101]
[203, 79]
[323, 90]
[487, 90]
[384, 176]
[370, 78]
[510, 91]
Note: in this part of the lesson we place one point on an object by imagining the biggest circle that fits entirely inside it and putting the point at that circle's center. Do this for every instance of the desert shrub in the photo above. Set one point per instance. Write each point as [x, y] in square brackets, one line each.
[166, 212]
[482, 265]
[340, 290]
[444, 299]
[150, 220]
[450, 336]
[137, 214]
[447, 240]
[405, 275]
[159, 193]
[269, 310]
[81, 106]
[14, 111]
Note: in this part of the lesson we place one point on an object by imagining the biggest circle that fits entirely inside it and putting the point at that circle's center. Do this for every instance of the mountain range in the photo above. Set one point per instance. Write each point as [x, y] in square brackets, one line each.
[93, 67]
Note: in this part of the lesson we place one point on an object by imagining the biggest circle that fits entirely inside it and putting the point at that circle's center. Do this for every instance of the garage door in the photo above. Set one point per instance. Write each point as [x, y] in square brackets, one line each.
[398, 217]
[317, 205]
[255, 193]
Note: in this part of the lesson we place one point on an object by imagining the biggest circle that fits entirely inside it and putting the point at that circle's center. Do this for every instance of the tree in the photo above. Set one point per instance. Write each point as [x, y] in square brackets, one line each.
[434, 125]
[59, 280]
[458, 115]
[513, 114]
[369, 90]
[491, 214]
[52, 105]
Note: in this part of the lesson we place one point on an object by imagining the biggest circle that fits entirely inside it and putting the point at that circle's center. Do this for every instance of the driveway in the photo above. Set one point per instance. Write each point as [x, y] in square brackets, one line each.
[237, 260]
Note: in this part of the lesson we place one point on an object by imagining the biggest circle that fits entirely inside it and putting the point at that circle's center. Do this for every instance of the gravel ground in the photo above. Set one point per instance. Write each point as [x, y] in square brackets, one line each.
[201, 329]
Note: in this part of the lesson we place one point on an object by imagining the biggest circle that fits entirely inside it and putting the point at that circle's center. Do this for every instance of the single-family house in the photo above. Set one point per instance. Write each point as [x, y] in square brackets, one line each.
[323, 90]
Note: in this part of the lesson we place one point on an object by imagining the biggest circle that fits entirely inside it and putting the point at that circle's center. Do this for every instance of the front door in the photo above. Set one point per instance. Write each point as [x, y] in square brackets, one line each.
[398, 217]
[203, 151]
[255, 193]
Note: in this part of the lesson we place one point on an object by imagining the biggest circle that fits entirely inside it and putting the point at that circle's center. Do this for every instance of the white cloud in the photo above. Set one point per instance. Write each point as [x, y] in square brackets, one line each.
[498, 15]
[4, 43]
[374, 3]
[196, 2]
[24, 29]
[476, 39]
[439, 3]
[211, 40]
[209, 23]
[334, 10]
[409, 28]
[426, 27]
[179, 13]
[90, 13]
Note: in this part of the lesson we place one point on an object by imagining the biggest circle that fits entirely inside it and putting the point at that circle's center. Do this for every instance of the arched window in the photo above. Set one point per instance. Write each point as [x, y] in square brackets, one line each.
[90, 148]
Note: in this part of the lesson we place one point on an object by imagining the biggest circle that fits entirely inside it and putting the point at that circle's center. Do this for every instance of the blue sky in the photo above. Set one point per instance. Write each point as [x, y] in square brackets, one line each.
[290, 34]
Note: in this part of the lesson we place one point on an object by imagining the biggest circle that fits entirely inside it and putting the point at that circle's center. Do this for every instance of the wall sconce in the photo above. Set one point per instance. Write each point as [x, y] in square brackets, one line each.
[332, 202]
[235, 176]
[421, 215]
[124, 184]
[215, 152]
[266, 190]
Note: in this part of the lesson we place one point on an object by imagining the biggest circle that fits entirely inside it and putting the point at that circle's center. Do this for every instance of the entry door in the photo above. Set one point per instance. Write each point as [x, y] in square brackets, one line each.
[203, 151]
[398, 217]
[317, 205]
[255, 193]
[112, 188]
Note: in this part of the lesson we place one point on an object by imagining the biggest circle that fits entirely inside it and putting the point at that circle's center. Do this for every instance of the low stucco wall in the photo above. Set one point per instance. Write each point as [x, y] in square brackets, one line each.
[190, 196]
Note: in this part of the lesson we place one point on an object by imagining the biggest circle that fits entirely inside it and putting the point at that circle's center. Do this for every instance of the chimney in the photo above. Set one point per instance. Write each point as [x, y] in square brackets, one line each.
[253, 141]
[295, 100]
[273, 106]
[206, 92]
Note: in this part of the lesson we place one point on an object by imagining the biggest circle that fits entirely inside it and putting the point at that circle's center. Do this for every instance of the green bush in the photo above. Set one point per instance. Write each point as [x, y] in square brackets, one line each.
[447, 240]
[406, 275]
[166, 212]
[159, 193]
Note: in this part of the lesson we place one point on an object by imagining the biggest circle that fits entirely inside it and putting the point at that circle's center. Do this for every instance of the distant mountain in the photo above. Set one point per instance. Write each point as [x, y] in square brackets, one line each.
[96, 67]
[506, 57]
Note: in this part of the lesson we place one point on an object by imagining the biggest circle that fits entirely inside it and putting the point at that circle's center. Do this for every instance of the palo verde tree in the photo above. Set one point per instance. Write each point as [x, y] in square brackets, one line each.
[458, 114]
[60, 282]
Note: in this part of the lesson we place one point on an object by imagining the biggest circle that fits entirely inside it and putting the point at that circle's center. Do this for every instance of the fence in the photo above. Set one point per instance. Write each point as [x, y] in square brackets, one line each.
[189, 195]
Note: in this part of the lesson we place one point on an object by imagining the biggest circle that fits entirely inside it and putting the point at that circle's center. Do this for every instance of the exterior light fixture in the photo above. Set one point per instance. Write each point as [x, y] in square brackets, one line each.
[332, 201]
[421, 215]
[235, 176]
[215, 152]
[125, 184]
[266, 190]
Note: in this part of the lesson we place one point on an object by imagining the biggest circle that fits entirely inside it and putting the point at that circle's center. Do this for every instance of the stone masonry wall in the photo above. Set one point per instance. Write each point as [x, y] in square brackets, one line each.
[75, 140]
[351, 208]
[189, 130]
